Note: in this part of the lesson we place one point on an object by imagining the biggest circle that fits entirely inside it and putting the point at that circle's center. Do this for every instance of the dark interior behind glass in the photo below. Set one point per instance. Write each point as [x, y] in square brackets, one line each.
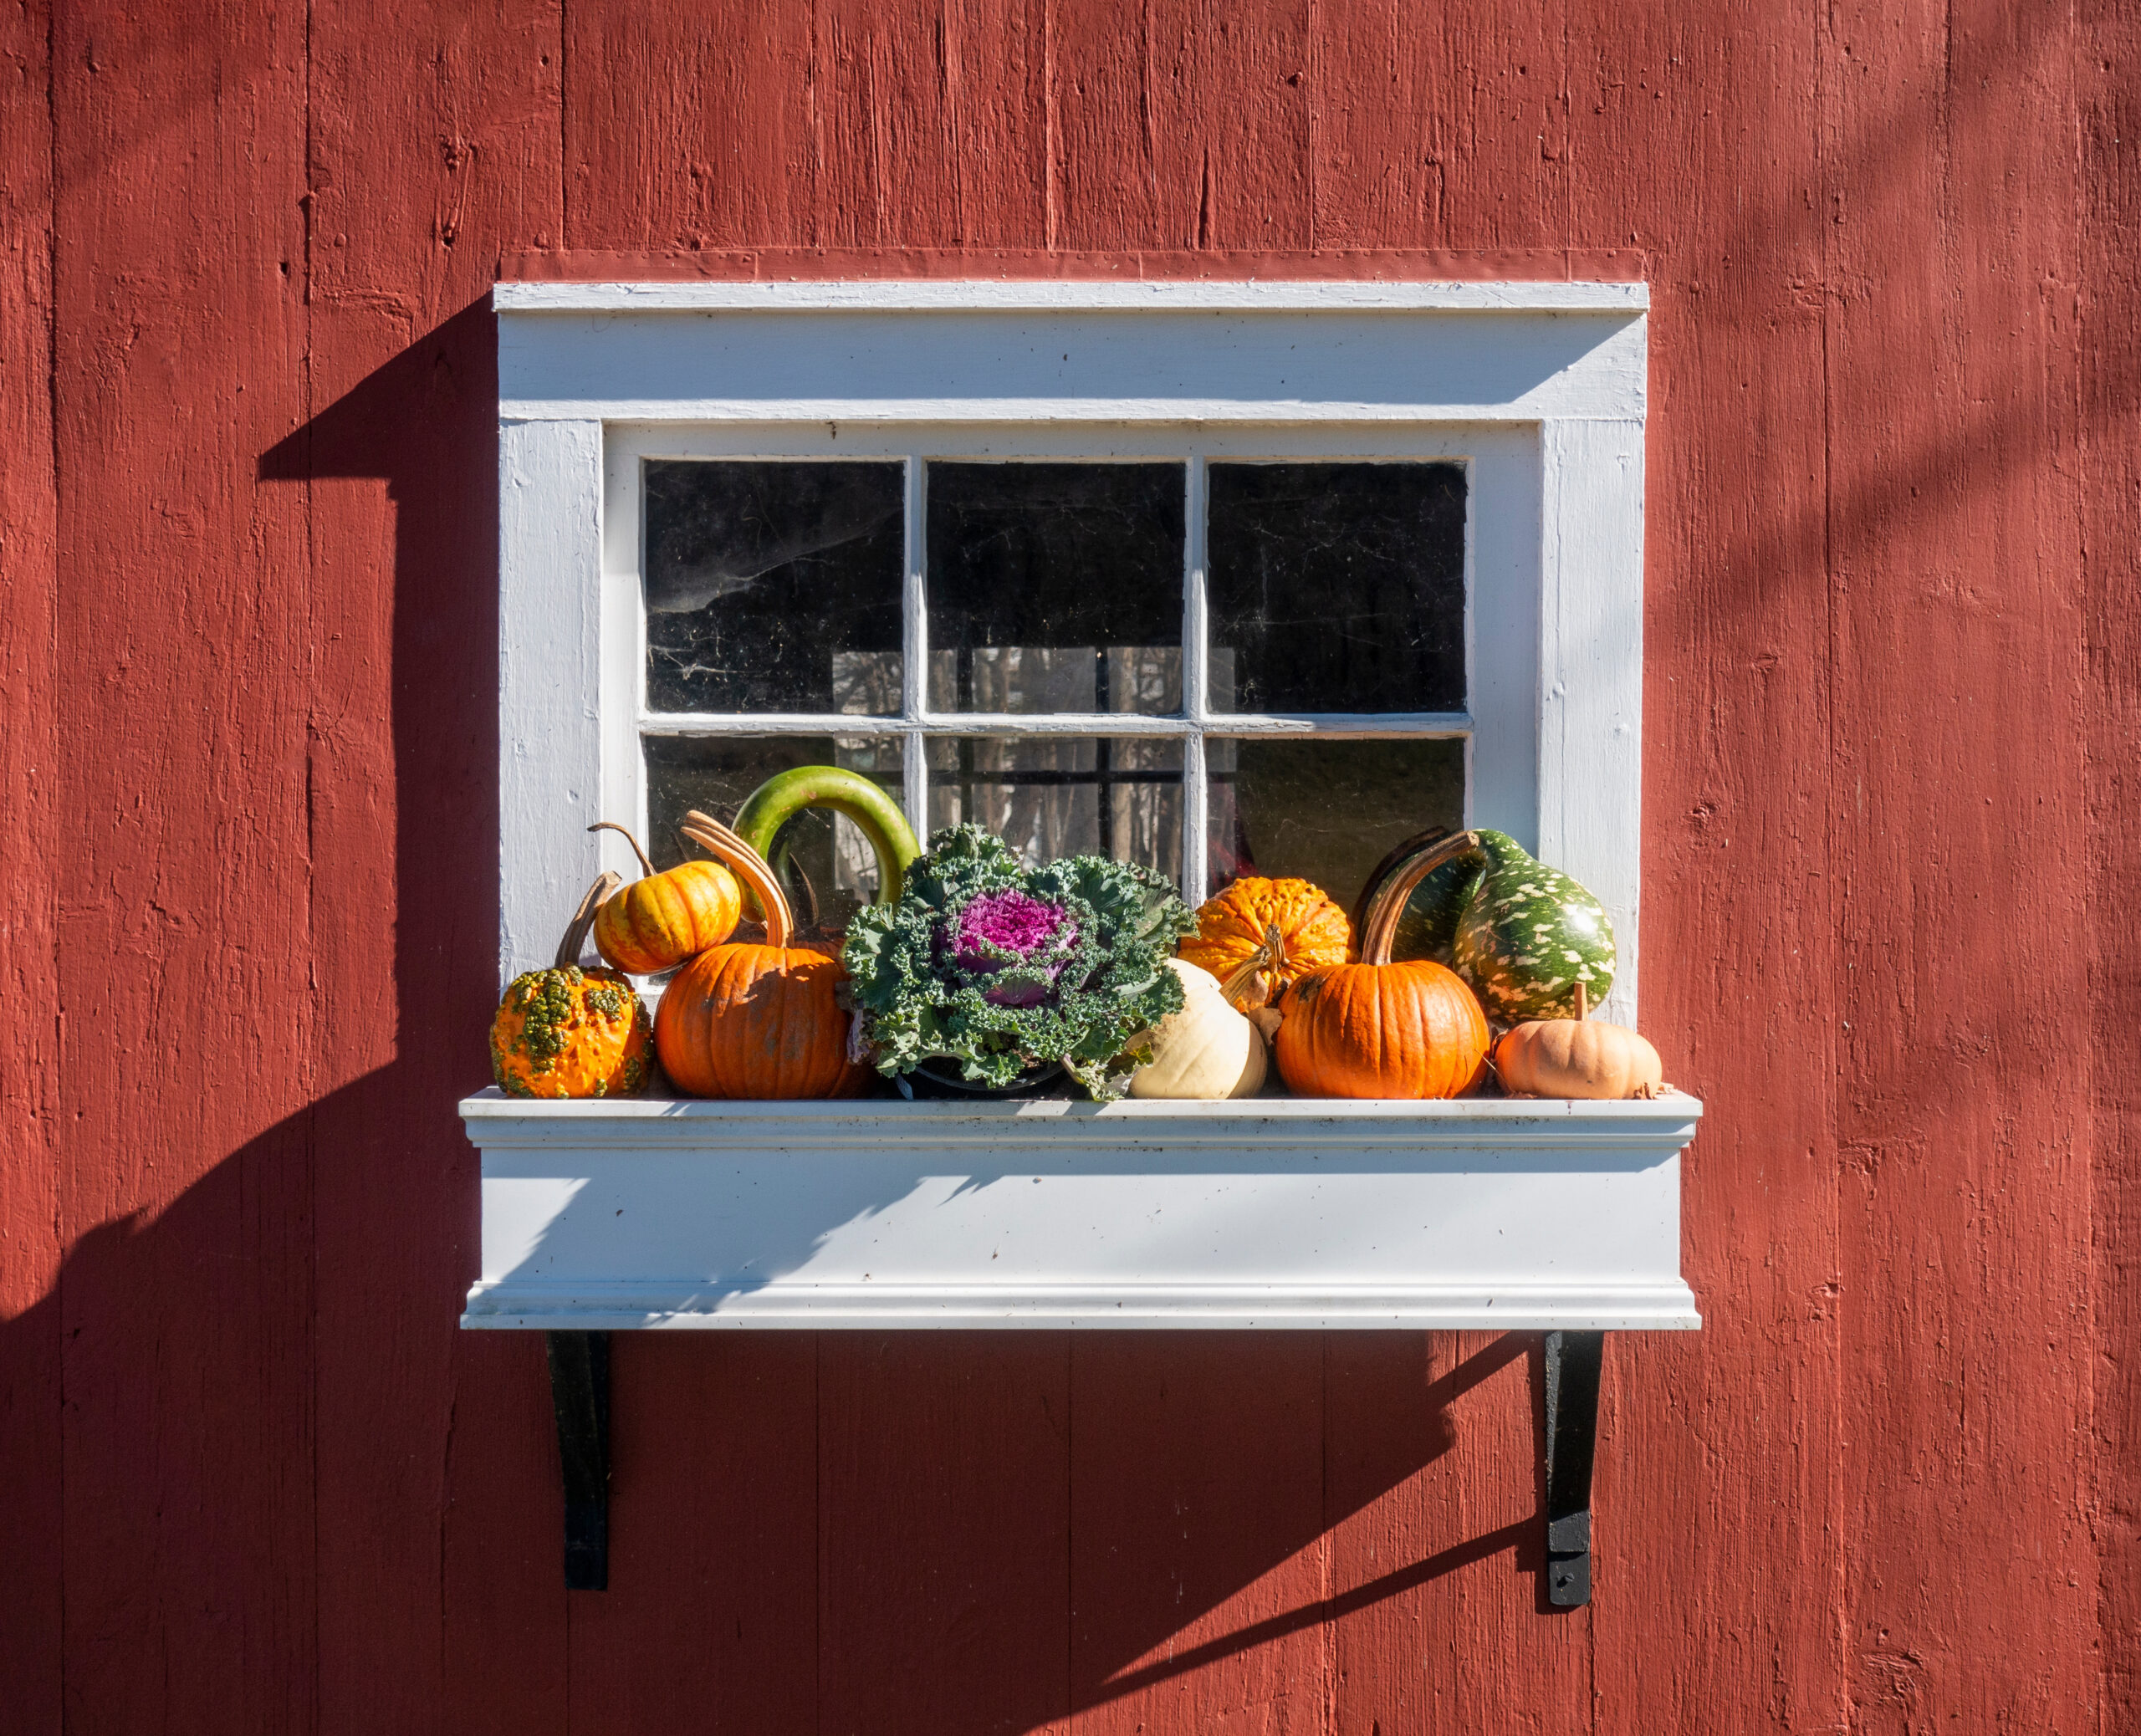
[1324, 811]
[1038, 572]
[1338, 587]
[774, 585]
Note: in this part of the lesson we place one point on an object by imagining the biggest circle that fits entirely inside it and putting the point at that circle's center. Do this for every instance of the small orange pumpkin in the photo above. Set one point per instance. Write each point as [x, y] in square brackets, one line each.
[1258, 936]
[1378, 1030]
[565, 1032]
[1580, 1058]
[749, 1020]
[662, 919]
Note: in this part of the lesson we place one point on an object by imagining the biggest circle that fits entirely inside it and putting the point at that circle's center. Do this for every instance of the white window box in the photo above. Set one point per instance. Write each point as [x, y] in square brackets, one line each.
[1276, 1212]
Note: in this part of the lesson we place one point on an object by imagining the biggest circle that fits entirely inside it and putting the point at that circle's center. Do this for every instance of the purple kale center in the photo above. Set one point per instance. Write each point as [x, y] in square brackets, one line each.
[1017, 935]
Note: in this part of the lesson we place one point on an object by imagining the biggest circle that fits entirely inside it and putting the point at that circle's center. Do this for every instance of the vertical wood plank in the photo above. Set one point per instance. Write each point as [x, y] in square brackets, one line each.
[690, 127]
[1693, 137]
[31, 1594]
[432, 146]
[944, 1581]
[1436, 1540]
[1952, 529]
[1441, 127]
[711, 1619]
[920, 124]
[186, 1178]
[2106, 57]
[1181, 125]
[1198, 1568]
[504, 1637]
[839, 124]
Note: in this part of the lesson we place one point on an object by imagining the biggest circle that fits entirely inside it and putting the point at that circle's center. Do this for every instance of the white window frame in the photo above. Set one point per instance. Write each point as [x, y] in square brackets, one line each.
[1536, 389]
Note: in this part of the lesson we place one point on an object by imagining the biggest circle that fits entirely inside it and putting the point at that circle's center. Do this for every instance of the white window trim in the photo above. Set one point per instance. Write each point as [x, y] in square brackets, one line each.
[1538, 388]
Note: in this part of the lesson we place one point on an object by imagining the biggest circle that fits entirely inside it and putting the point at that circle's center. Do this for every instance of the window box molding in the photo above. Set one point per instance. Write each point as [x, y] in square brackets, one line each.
[1482, 1214]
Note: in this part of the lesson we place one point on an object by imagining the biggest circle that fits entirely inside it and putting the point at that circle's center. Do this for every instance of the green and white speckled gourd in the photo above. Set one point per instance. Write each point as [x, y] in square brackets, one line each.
[1521, 934]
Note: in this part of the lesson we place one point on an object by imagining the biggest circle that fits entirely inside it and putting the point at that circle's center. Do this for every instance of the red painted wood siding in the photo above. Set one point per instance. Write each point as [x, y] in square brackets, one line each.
[259, 1482]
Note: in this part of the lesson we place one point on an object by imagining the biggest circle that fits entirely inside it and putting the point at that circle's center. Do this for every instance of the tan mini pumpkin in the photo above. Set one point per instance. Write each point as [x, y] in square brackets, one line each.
[1578, 1057]
[1207, 1050]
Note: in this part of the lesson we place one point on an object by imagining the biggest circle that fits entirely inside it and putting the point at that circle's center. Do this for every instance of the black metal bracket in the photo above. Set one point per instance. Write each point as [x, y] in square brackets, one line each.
[580, 1393]
[1573, 1360]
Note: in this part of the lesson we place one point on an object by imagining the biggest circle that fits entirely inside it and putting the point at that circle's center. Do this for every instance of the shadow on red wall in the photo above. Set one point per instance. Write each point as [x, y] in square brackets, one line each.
[949, 1533]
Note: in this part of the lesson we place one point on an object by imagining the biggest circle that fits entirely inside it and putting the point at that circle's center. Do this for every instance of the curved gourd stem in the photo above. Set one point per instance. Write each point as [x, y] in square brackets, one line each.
[1270, 955]
[645, 867]
[749, 867]
[1582, 1001]
[785, 794]
[583, 919]
[1382, 912]
[1394, 858]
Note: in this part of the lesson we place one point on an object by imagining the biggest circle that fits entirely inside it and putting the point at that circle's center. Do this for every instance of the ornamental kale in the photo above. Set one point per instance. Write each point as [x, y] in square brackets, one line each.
[1000, 967]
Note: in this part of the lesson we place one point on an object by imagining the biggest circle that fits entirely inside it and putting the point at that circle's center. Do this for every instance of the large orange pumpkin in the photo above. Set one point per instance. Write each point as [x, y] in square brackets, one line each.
[1276, 931]
[662, 919]
[565, 1032]
[744, 1020]
[1378, 1030]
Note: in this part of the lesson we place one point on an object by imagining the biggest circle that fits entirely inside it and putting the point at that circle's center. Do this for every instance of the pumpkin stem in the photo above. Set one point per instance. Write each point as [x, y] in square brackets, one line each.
[583, 919]
[717, 841]
[1582, 1001]
[645, 867]
[1241, 981]
[1380, 927]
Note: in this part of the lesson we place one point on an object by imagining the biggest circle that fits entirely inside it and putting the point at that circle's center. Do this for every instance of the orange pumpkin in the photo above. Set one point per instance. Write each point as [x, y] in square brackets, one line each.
[1378, 1030]
[565, 1032]
[662, 919]
[749, 1020]
[1259, 936]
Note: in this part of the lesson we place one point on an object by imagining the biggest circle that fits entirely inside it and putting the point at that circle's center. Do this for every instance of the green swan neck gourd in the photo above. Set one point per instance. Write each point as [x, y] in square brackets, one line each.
[1521, 934]
[785, 794]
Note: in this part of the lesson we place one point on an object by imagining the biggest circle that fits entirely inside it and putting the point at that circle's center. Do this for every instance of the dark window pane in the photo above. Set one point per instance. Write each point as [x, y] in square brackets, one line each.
[1326, 811]
[1336, 587]
[1056, 587]
[834, 859]
[1120, 798]
[773, 586]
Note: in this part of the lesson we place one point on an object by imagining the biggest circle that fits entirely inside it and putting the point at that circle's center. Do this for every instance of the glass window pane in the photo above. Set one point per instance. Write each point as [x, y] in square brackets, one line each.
[828, 862]
[773, 586]
[1336, 587]
[1056, 587]
[1326, 811]
[1118, 797]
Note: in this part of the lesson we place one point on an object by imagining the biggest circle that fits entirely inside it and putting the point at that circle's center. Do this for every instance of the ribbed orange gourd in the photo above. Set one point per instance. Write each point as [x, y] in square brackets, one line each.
[749, 1020]
[663, 919]
[1279, 929]
[565, 1032]
[1378, 1030]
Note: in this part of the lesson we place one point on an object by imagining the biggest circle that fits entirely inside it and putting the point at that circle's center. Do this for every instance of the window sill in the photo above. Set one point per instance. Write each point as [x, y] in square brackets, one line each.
[1278, 1212]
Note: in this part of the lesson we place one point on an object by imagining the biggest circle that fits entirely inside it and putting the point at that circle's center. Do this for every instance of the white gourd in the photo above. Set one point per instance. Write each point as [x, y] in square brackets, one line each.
[1207, 1050]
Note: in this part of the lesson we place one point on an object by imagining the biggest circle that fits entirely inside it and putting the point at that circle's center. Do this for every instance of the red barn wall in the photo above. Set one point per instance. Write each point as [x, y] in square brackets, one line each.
[258, 1481]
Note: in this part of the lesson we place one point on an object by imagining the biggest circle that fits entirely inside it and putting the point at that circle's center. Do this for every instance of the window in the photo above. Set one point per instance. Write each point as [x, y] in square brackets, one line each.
[1217, 577]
